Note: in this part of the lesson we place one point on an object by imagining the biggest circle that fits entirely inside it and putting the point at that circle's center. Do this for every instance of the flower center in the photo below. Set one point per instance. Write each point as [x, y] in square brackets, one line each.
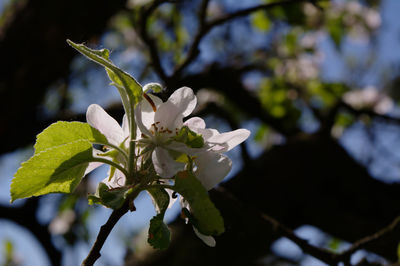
[161, 134]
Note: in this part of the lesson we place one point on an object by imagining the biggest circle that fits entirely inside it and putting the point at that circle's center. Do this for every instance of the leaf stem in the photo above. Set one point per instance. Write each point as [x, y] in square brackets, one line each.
[114, 147]
[111, 163]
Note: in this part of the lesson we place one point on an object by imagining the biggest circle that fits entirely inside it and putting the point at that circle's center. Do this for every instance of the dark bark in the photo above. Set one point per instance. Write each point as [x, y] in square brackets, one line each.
[35, 54]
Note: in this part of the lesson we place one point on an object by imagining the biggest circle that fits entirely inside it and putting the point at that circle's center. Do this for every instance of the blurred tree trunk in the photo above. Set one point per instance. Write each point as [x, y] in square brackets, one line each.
[35, 55]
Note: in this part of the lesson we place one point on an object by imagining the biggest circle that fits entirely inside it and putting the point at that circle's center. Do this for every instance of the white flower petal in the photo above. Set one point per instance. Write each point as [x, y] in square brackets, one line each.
[179, 105]
[169, 116]
[139, 122]
[229, 140]
[208, 240]
[125, 126]
[147, 110]
[206, 133]
[164, 164]
[212, 168]
[195, 122]
[117, 180]
[183, 148]
[147, 107]
[91, 167]
[185, 99]
[99, 119]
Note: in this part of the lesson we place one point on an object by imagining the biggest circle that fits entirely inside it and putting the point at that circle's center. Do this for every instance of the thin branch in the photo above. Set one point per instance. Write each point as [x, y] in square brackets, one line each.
[145, 14]
[203, 12]
[345, 255]
[325, 255]
[104, 232]
[205, 27]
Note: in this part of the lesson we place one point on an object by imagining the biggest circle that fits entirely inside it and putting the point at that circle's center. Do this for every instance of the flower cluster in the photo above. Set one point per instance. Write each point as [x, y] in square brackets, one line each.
[166, 144]
[165, 138]
[156, 149]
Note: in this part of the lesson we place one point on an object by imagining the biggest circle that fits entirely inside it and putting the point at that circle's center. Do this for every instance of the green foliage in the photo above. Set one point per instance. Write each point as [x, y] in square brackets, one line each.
[398, 252]
[160, 199]
[111, 198]
[344, 119]
[56, 169]
[327, 93]
[261, 132]
[8, 253]
[130, 90]
[190, 138]
[205, 216]
[61, 133]
[336, 30]
[261, 21]
[159, 235]
[274, 98]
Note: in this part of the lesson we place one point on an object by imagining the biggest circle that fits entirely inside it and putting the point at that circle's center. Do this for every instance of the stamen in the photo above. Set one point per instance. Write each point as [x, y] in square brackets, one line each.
[147, 97]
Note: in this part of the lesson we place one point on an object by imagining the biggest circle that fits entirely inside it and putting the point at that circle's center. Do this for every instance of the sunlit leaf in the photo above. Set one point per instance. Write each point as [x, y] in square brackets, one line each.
[261, 21]
[205, 216]
[61, 133]
[57, 169]
[130, 90]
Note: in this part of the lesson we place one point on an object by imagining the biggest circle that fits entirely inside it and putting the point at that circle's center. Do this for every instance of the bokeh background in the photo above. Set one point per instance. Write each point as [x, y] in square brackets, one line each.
[316, 82]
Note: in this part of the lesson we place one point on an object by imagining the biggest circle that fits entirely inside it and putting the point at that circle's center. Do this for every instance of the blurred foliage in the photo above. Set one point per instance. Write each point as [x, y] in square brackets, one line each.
[278, 56]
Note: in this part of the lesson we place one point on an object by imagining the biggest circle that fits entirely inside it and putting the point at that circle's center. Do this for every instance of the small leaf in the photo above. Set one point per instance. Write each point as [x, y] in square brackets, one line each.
[57, 169]
[190, 138]
[111, 198]
[398, 252]
[160, 199]
[204, 215]
[159, 235]
[261, 21]
[130, 90]
[154, 87]
[61, 133]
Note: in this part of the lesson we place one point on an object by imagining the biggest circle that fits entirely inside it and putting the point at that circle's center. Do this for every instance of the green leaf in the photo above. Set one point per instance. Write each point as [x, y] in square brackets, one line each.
[204, 215]
[189, 137]
[160, 199]
[130, 90]
[261, 21]
[111, 198]
[159, 234]
[398, 252]
[61, 133]
[56, 169]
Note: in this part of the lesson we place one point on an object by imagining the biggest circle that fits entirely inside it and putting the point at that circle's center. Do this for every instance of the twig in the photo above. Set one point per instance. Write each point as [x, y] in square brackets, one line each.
[154, 55]
[345, 255]
[205, 27]
[325, 255]
[319, 253]
[105, 230]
